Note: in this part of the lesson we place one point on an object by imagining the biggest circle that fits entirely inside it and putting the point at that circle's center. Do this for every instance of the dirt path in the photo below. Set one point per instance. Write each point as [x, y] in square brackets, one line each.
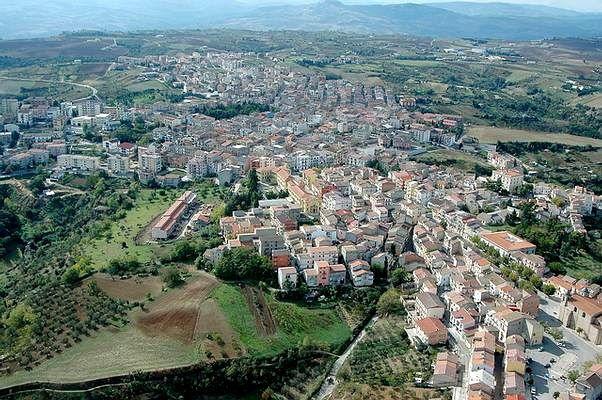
[330, 382]
[264, 320]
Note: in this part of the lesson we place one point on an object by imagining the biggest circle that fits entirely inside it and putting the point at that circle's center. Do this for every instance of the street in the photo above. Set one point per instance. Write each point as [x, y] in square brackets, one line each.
[551, 362]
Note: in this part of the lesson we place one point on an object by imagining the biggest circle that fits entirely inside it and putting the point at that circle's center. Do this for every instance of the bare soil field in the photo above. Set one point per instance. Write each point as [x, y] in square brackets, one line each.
[175, 314]
[492, 135]
[215, 333]
[354, 391]
[132, 289]
[264, 320]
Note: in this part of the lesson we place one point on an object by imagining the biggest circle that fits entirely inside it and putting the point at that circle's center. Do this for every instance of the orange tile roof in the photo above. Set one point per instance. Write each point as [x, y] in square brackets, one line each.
[507, 241]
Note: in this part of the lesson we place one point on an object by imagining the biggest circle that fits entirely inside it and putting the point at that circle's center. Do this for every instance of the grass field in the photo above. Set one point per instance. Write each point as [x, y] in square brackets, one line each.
[141, 86]
[107, 353]
[294, 323]
[120, 239]
[13, 87]
[148, 206]
[492, 135]
[593, 100]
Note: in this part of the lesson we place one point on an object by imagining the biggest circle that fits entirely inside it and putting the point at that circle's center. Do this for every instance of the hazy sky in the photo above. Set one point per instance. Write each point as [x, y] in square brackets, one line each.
[580, 5]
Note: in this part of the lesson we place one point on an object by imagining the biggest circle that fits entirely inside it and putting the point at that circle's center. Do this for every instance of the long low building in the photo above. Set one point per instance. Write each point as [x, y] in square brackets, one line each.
[172, 216]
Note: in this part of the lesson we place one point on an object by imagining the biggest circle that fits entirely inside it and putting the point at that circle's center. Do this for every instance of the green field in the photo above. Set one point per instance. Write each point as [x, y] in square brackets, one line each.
[294, 323]
[142, 86]
[149, 205]
[13, 87]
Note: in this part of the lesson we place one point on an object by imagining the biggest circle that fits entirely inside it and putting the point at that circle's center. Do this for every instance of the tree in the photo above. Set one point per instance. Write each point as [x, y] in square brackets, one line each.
[573, 375]
[399, 276]
[243, 263]
[389, 303]
[536, 281]
[123, 266]
[556, 395]
[548, 289]
[171, 277]
[70, 276]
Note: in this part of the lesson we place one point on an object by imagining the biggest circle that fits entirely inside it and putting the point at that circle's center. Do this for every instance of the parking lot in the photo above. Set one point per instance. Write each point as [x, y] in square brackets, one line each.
[551, 362]
[549, 369]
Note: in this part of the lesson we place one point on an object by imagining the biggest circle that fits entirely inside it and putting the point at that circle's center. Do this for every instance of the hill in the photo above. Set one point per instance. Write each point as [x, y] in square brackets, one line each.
[502, 21]
[506, 9]
[27, 19]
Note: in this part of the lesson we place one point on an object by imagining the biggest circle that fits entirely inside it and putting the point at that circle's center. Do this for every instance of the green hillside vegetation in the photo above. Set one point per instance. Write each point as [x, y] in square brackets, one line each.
[295, 324]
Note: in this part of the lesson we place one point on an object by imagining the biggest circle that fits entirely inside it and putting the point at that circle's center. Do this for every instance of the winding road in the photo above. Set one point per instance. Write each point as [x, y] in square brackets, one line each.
[330, 382]
[91, 88]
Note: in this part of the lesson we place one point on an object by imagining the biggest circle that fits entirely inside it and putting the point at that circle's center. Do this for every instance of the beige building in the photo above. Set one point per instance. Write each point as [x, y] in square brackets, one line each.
[511, 179]
[508, 322]
[584, 315]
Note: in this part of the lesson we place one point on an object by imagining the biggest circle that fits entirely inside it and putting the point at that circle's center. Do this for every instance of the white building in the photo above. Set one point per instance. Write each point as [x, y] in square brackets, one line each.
[78, 162]
[287, 274]
[511, 179]
[118, 166]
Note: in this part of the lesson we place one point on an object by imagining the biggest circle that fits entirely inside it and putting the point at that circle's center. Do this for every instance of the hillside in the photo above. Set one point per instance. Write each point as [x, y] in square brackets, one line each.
[456, 20]
[28, 19]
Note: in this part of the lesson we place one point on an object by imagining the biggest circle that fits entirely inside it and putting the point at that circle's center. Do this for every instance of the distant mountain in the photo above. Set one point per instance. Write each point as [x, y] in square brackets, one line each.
[428, 20]
[506, 9]
[31, 18]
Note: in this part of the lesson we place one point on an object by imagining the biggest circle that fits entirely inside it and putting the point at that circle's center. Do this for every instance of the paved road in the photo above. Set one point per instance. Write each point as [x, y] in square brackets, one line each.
[554, 359]
[91, 88]
[330, 383]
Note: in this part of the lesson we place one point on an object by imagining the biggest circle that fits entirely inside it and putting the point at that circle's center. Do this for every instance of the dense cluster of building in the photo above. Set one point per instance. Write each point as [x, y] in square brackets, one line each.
[342, 219]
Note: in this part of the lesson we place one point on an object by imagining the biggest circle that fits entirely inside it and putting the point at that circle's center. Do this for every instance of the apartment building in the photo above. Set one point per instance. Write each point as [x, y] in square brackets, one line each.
[79, 163]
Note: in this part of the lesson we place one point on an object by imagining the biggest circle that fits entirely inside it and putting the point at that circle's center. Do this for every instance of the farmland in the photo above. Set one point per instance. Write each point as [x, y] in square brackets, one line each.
[203, 320]
[492, 135]
[386, 357]
[355, 391]
[25, 88]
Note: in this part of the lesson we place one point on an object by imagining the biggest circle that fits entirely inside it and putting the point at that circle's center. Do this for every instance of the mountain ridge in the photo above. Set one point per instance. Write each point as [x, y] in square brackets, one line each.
[28, 18]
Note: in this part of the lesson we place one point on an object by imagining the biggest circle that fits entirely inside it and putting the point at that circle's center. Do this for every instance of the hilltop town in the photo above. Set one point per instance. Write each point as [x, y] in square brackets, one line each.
[323, 187]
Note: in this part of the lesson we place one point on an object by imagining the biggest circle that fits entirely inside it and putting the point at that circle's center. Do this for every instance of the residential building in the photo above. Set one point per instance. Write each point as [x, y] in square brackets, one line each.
[429, 305]
[431, 331]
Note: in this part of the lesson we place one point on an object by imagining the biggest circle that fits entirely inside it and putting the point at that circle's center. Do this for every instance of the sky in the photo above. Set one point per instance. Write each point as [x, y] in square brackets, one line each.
[579, 5]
